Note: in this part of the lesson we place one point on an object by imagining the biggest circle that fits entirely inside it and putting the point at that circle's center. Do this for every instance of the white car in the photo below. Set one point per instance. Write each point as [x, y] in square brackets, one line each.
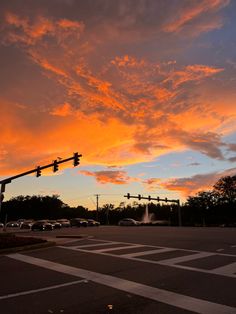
[128, 222]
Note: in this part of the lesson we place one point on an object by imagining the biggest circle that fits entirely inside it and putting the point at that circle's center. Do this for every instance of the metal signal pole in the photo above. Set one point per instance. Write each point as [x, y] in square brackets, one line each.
[97, 198]
[37, 170]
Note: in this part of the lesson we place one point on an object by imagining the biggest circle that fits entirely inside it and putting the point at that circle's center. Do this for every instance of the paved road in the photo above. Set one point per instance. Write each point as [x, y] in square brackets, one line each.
[124, 270]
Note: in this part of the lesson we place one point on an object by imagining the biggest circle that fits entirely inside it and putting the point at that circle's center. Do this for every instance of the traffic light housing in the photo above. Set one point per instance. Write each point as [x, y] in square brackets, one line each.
[149, 197]
[76, 159]
[158, 198]
[128, 195]
[166, 199]
[55, 166]
[139, 197]
[38, 172]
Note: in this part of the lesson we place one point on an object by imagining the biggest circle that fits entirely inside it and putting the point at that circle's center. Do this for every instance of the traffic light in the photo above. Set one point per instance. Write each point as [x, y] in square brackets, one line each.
[76, 159]
[158, 198]
[149, 197]
[166, 200]
[38, 172]
[139, 197]
[55, 166]
[128, 195]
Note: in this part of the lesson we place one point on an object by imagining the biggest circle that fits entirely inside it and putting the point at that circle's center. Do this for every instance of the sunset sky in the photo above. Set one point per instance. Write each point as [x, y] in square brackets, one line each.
[145, 90]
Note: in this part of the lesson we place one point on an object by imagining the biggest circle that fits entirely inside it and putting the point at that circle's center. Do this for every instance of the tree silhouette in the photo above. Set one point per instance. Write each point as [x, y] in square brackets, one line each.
[226, 188]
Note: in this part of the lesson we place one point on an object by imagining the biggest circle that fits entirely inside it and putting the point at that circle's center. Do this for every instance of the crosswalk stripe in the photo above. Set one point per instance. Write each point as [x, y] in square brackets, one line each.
[229, 269]
[131, 255]
[95, 245]
[186, 258]
[171, 298]
[118, 248]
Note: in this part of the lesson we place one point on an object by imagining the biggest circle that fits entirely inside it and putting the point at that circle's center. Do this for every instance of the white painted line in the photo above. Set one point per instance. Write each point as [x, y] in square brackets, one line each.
[156, 294]
[220, 250]
[64, 240]
[72, 248]
[143, 260]
[18, 294]
[94, 245]
[186, 258]
[200, 270]
[126, 247]
[131, 255]
[229, 269]
[233, 245]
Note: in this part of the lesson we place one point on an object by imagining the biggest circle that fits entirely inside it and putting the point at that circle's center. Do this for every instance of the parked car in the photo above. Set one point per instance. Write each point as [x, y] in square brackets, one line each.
[20, 221]
[27, 224]
[41, 225]
[93, 223]
[12, 224]
[79, 222]
[56, 224]
[65, 223]
[1, 225]
[128, 222]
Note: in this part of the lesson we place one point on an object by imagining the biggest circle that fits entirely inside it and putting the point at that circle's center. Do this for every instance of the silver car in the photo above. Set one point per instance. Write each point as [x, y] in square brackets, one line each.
[128, 222]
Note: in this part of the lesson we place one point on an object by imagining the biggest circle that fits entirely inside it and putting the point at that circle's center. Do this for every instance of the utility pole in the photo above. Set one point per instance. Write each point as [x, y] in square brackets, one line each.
[158, 199]
[37, 170]
[97, 199]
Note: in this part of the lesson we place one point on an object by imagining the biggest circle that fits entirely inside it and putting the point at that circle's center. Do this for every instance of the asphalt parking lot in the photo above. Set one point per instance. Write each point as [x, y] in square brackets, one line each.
[113, 269]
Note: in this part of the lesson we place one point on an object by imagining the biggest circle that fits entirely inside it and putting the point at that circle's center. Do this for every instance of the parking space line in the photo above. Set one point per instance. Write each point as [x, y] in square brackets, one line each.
[131, 255]
[171, 298]
[18, 294]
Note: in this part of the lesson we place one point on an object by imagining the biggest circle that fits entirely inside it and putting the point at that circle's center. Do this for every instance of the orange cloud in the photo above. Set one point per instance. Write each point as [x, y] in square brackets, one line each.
[194, 12]
[195, 72]
[196, 183]
[121, 110]
[108, 176]
[152, 183]
[62, 111]
[30, 33]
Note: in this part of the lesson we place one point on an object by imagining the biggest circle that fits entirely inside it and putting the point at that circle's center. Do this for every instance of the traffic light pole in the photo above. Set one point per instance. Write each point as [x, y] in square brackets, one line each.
[97, 207]
[158, 199]
[38, 169]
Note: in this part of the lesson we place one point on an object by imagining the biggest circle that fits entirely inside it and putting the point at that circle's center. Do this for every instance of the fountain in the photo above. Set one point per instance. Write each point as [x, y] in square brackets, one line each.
[147, 218]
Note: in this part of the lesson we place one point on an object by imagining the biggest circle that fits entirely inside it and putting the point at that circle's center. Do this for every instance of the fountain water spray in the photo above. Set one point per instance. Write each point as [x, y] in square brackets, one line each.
[147, 218]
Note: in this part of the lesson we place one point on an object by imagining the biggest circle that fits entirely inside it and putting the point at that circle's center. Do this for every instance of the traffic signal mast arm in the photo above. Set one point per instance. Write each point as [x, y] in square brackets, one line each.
[149, 198]
[39, 168]
[158, 199]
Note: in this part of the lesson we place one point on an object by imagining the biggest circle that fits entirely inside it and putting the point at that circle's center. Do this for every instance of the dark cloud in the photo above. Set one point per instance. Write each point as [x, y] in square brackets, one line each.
[232, 159]
[232, 147]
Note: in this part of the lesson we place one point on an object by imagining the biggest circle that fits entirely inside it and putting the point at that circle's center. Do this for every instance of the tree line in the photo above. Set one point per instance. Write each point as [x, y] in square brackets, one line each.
[206, 208]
